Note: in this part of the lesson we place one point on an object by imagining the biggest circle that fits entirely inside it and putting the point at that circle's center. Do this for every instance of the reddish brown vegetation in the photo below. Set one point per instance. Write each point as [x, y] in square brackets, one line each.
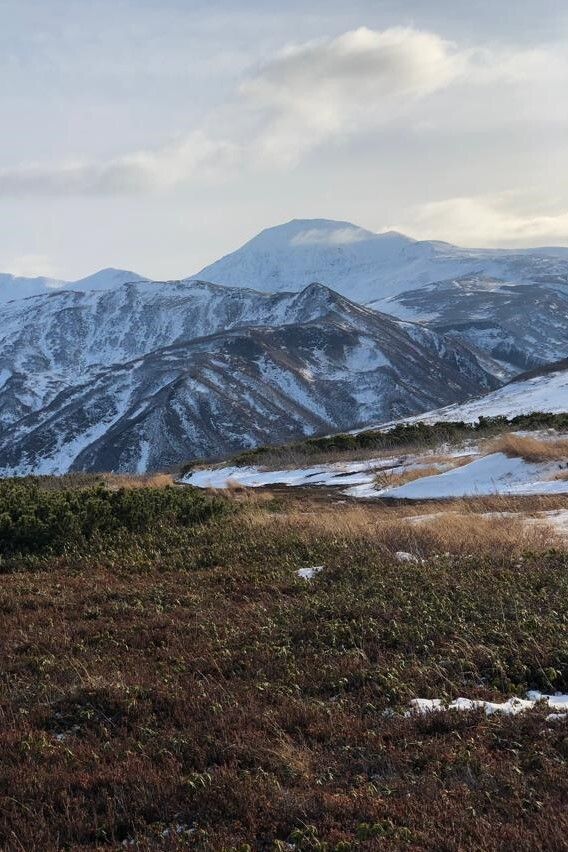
[190, 691]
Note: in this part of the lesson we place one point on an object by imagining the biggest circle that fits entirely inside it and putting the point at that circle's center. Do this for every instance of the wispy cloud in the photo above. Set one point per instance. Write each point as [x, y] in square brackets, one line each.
[496, 220]
[138, 172]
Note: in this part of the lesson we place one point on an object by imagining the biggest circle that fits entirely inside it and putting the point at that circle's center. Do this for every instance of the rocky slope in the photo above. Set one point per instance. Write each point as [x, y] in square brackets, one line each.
[540, 390]
[519, 326]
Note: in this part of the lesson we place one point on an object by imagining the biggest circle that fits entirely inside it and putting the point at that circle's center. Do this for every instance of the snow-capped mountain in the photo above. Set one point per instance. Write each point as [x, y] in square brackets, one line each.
[116, 371]
[368, 267]
[16, 287]
[48, 343]
[508, 306]
[147, 375]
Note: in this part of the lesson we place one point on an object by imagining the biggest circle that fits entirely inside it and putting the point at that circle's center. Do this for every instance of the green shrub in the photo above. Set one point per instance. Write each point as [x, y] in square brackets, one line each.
[405, 435]
[34, 521]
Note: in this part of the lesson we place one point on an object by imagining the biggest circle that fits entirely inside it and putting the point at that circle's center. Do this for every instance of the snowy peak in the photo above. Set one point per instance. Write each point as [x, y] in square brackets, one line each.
[17, 287]
[368, 267]
[14, 287]
[291, 256]
[106, 279]
[321, 232]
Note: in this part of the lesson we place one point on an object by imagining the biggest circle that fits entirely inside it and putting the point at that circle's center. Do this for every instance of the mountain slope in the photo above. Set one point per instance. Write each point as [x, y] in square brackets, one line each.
[149, 375]
[52, 342]
[521, 326]
[545, 391]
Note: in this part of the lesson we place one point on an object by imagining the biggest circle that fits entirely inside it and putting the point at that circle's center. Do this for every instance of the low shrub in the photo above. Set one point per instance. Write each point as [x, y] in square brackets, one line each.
[33, 520]
[401, 436]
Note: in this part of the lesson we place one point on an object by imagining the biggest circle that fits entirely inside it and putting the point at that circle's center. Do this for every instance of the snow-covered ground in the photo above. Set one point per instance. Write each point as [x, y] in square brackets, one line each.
[485, 475]
[511, 707]
[492, 474]
[352, 474]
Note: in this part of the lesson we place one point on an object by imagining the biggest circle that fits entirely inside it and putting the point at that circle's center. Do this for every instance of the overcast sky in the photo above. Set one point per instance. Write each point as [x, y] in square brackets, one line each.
[157, 135]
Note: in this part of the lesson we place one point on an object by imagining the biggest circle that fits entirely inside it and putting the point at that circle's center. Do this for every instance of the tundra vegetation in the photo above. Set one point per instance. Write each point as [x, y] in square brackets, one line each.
[170, 681]
[400, 438]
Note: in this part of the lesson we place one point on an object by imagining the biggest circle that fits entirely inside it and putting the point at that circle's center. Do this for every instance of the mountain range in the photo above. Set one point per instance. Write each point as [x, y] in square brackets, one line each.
[117, 372]
[511, 305]
[146, 375]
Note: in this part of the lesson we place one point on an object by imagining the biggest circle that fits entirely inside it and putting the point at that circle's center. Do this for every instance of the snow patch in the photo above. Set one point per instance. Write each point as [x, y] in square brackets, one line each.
[511, 707]
[309, 573]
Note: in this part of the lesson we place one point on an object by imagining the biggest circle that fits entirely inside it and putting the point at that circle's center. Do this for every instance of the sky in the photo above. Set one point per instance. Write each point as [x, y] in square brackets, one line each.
[158, 136]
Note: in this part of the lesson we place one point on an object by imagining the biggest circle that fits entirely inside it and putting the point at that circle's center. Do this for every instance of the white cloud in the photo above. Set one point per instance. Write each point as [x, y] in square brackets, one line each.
[330, 87]
[342, 236]
[498, 220]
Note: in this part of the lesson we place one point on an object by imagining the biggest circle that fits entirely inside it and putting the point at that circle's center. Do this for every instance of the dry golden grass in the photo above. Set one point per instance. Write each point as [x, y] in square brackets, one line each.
[391, 479]
[454, 532]
[130, 480]
[530, 449]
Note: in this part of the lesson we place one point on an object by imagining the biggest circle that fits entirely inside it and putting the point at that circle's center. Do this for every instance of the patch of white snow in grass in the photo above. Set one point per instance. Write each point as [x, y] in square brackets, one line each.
[309, 573]
[339, 473]
[402, 556]
[511, 707]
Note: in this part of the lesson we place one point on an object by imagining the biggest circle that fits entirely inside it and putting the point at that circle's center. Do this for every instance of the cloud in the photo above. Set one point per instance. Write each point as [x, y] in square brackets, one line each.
[342, 236]
[305, 96]
[343, 85]
[498, 220]
[138, 172]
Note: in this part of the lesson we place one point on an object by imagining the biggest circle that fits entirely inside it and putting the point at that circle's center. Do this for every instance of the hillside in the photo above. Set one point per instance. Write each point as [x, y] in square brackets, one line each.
[182, 671]
[541, 390]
